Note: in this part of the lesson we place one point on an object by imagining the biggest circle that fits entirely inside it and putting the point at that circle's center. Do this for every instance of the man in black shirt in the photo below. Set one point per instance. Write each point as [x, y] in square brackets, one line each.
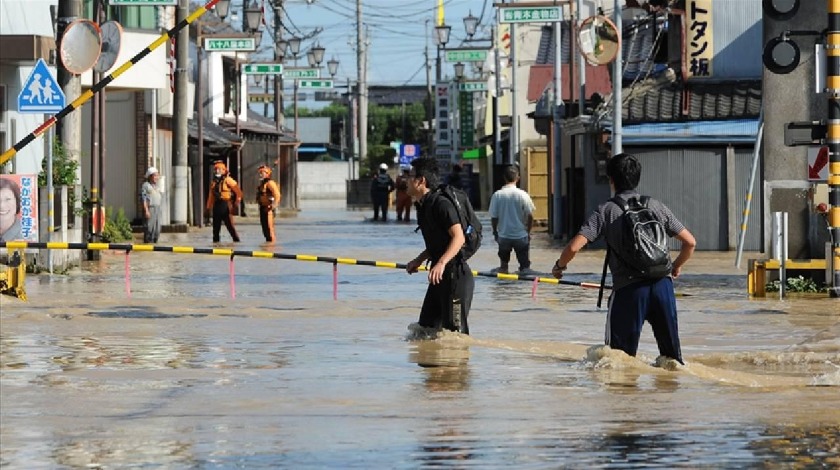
[449, 295]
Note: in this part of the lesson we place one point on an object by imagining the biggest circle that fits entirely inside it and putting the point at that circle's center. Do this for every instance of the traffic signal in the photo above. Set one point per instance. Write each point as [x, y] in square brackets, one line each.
[781, 54]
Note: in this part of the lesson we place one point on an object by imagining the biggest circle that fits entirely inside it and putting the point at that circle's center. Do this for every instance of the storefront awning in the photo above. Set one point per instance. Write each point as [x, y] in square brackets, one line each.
[736, 131]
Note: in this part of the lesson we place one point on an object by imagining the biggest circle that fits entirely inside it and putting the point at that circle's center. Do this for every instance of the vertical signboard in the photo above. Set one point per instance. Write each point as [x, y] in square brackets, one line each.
[465, 105]
[19, 208]
[699, 44]
[443, 123]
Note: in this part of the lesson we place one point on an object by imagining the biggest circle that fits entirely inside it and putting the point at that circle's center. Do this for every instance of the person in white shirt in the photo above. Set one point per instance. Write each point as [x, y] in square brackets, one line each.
[151, 195]
[511, 212]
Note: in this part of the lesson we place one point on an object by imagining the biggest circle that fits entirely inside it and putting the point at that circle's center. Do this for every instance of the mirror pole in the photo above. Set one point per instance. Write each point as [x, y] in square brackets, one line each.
[617, 145]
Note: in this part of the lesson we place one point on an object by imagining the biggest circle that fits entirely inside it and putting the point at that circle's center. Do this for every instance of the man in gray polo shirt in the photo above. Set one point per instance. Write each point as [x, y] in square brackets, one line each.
[634, 297]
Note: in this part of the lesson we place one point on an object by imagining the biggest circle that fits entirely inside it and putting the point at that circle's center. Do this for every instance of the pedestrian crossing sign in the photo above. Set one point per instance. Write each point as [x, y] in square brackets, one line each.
[41, 93]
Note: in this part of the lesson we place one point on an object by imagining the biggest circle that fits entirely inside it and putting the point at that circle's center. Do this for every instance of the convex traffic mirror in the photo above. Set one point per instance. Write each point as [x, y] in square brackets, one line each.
[599, 40]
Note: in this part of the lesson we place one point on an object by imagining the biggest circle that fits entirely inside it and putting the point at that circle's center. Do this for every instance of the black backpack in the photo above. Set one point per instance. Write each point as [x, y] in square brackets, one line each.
[643, 242]
[466, 215]
[383, 183]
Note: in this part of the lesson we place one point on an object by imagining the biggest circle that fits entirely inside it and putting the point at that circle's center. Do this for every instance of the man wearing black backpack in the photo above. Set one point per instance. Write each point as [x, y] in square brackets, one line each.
[639, 293]
[450, 292]
[381, 187]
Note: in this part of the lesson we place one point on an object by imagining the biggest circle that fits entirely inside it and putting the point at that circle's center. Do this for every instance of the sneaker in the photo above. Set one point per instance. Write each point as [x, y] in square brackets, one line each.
[499, 271]
[527, 272]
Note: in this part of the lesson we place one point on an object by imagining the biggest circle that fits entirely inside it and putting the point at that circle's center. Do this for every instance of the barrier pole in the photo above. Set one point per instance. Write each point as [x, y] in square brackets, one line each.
[232, 279]
[127, 273]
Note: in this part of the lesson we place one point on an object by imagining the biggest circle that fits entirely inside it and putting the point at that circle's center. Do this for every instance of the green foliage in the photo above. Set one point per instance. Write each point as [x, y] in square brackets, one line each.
[378, 154]
[117, 227]
[64, 167]
[386, 124]
[795, 284]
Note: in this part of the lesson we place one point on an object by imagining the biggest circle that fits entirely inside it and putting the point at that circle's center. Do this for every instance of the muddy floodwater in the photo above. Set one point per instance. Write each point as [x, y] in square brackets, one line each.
[181, 365]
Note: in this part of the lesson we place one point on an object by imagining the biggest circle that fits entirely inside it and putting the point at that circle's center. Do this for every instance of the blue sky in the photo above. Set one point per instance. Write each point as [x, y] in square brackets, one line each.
[397, 28]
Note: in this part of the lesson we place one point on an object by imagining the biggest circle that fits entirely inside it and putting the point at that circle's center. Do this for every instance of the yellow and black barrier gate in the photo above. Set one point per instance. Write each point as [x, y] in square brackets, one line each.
[127, 248]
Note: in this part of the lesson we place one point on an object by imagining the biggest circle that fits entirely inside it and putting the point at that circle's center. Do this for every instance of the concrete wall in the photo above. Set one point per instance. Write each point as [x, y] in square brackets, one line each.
[323, 180]
[789, 98]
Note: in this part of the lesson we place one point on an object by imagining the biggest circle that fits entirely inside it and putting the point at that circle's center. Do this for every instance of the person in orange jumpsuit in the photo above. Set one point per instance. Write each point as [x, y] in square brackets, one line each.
[403, 199]
[224, 197]
[268, 197]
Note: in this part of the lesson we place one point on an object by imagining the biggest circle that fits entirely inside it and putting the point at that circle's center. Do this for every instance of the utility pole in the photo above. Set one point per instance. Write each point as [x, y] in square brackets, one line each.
[618, 73]
[361, 89]
[278, 79]
[351, 129]
[430, 105]
[69, 129]
[180, 112]
[514, 116]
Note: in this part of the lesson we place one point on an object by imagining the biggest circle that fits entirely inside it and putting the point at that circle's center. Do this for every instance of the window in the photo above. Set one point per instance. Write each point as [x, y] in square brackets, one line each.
[130, 17]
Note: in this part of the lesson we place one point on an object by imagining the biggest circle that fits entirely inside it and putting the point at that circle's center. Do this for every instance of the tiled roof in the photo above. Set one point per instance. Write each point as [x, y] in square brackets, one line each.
[692, 102]
[213, 134]
[257, 126]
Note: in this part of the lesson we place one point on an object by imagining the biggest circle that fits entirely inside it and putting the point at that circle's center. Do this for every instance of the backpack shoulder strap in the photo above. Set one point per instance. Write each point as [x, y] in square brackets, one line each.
[620, 203]
[643, 201]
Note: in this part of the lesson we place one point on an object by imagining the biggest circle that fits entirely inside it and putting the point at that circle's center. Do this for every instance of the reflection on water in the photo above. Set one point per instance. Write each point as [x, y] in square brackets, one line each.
[445, 364]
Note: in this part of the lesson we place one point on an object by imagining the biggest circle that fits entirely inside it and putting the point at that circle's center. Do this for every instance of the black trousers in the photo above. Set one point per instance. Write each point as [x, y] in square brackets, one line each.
[447, 305]
[380, 201]
[221, 213]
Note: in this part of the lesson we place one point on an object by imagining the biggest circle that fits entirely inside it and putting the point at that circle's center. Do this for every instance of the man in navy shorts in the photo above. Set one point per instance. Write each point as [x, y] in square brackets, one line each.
[635, 298]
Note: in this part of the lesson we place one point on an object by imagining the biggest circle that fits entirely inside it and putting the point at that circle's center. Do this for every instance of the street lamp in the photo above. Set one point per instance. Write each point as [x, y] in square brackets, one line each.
[332, 66]
[442, 31]
[470, 25]
[459, 71]
[253, 16]
[222, 8]
[318, 53]
[294, 47]
[282, 46]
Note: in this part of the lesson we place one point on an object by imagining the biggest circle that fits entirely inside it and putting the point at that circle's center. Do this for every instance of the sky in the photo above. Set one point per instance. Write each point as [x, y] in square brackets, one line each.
[399, 30]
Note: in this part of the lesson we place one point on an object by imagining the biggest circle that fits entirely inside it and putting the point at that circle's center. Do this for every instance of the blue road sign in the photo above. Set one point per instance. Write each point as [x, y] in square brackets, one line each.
[41, 93]
[408, 152]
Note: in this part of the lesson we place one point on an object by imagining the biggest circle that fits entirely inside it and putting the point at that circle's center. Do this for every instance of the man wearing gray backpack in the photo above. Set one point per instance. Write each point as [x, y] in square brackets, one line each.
[636, 229]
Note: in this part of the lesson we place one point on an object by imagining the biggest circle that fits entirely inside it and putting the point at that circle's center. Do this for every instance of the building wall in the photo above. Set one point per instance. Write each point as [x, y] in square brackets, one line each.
[120, 190]
[323, 180]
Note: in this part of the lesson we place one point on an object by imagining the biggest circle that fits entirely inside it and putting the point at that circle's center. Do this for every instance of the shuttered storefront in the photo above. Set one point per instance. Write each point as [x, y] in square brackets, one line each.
[695, 183]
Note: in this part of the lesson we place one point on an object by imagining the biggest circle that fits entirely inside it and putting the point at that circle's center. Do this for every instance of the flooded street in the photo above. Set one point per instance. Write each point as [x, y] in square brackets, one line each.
[170, 371]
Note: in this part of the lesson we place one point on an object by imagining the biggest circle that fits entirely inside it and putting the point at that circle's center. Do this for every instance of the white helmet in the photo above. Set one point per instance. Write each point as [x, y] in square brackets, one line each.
[383, 166]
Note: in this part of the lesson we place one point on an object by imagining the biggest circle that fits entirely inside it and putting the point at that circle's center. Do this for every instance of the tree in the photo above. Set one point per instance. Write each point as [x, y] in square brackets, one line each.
[385, 125]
